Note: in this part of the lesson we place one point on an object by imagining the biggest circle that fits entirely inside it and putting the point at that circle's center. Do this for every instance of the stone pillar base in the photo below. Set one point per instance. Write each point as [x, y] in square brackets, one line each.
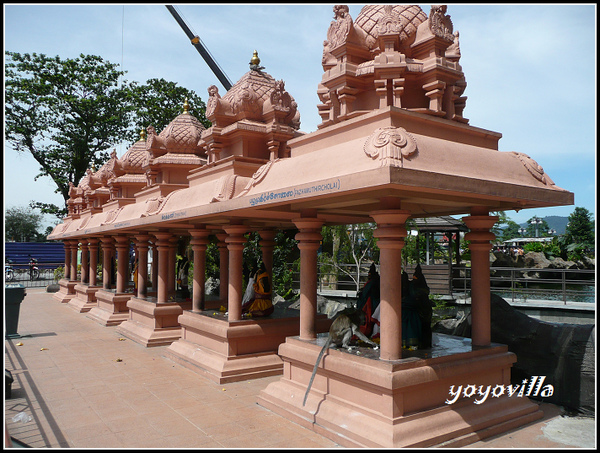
[230, 351]
[85, 298]
[66, 291]
[111, 309]
[153, 323]
[362, 401]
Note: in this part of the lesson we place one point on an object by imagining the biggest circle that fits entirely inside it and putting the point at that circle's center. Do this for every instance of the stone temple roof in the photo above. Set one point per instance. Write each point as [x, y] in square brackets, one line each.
[181, 136]
[132, 162]
[392, 137]
[256, 96]
[408, 16]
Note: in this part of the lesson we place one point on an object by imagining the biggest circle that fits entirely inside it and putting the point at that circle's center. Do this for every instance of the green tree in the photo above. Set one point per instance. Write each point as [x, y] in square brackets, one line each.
[351, 244]
[502, 220]
[511, 231]
[580, 228]
[66, 113]
[21, 224]
[283, 268]
[158, 102]
[69, 113]
[579, 236]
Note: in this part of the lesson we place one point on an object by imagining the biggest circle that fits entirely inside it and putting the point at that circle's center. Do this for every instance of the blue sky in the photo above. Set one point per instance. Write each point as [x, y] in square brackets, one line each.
[530, 70]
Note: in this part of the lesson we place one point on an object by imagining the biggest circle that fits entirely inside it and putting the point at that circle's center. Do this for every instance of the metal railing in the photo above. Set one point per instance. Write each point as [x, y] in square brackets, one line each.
[22, 276]
[330, 278]
[513, 283]
[573, 285]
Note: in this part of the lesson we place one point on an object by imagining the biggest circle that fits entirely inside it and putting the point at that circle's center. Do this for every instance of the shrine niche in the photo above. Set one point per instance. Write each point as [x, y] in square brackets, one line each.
[393, 145]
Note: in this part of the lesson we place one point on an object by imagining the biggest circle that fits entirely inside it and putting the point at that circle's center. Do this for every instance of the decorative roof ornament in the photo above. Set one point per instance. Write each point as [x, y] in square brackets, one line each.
[440, 23]
[255, 62]
[391, 145]
[186, 107]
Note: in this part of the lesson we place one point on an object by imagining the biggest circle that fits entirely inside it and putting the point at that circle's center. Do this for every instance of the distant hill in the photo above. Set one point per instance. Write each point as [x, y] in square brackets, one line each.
[555, 222]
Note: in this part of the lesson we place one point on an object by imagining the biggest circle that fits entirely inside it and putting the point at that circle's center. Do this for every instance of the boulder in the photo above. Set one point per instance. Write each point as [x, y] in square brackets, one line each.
[559, 263]
[564, 353]
[536, 260]
[324, 305]
[52, 288]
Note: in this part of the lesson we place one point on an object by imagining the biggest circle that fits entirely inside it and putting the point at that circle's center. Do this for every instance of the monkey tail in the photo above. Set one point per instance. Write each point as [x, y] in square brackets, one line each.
[312, 378]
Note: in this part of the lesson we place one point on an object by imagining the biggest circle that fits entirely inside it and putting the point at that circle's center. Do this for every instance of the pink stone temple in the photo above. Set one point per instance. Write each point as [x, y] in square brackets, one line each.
[393, 145]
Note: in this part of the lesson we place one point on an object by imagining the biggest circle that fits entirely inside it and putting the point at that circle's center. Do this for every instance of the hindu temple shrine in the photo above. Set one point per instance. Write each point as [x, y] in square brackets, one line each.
[393, 144]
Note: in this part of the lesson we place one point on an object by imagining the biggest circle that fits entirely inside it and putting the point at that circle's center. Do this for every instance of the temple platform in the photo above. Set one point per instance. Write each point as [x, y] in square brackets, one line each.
[153, 323]
[66, 291]
[85, 298]
[230, 351]
[358, 400]
[111, 309]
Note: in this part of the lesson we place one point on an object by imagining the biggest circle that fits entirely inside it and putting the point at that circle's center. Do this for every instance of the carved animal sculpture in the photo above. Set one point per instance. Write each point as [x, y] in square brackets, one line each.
[345, 325]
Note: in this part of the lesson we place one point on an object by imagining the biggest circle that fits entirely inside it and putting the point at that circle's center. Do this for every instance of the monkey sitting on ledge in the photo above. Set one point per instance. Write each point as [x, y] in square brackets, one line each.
[343, 328]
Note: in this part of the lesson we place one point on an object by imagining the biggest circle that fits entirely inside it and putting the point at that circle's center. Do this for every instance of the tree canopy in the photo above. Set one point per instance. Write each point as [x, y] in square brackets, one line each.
[69, 113]
[21, 224]
[580, 234]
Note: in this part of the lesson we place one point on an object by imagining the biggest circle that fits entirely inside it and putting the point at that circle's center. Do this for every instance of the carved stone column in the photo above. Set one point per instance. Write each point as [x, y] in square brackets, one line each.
[199, 242]
[390, 233]
[122, 247]
[93, 264]
[267, 245]
[107, 248]
[67, 245]
[154, 266]
[235, 244]
[480, 237]
[163, 245]
[172, 281]
[84, 261]
[309, 238]
[223, 267]
[142, 269]
[74, 249]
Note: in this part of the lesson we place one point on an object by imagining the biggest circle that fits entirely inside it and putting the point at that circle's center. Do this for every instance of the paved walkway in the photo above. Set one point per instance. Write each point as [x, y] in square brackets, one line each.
[82, 385]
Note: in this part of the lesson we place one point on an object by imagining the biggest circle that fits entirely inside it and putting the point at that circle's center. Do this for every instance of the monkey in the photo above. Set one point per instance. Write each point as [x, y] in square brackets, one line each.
[341, 331]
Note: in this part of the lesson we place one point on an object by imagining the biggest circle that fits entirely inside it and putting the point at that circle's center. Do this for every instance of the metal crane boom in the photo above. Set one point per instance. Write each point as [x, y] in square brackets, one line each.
[200, 48]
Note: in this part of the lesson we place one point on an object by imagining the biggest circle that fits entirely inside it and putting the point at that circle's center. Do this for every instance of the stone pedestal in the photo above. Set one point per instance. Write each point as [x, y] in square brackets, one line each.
[362, 401]
[230, 351]
[153, 323]
[111, 309]
[85, 298]
[66, 291]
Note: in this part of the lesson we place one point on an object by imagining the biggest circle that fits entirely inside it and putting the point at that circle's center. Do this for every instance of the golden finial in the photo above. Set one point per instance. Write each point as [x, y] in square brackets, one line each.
[143, 135]
[255, 62]
[186, 106]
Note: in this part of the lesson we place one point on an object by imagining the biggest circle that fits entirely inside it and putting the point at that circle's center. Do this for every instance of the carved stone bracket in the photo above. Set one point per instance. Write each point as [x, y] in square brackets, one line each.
[258, 176]
[112, 216]
[155, 205]
[225, 189]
